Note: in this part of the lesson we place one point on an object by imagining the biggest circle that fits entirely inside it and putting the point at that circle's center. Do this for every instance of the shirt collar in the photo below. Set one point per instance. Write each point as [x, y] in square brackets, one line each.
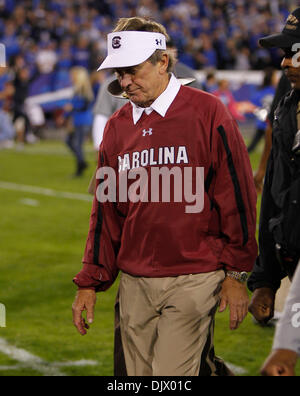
[161, 104]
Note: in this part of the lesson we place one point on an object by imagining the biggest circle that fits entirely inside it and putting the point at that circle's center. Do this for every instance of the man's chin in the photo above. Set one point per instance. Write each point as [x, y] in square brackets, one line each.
[138, 101]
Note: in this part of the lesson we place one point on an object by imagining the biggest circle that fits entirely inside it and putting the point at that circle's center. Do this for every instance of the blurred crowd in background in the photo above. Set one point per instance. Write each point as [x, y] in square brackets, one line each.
[208, 33]
[44, 40]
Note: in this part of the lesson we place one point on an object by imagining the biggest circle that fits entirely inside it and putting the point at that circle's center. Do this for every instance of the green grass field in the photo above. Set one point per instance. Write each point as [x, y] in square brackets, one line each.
[42, 238]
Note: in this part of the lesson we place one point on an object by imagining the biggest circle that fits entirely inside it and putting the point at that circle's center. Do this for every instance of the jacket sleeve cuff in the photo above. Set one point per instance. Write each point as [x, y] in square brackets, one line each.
[93, 277]
[240, 261]
[259, 284]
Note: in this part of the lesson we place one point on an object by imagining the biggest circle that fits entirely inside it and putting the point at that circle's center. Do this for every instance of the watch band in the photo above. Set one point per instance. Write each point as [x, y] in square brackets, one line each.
[239, 276]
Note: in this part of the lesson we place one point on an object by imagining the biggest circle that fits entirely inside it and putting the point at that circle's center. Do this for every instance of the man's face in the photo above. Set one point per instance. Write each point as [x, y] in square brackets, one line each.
[143, 83]
[291, 67]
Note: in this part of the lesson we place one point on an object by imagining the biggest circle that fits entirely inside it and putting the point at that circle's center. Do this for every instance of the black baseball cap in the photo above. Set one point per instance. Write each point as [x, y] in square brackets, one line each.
[290, 34]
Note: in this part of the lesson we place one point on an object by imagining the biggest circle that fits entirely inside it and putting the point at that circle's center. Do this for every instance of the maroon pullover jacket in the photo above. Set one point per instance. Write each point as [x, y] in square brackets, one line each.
[159, 239]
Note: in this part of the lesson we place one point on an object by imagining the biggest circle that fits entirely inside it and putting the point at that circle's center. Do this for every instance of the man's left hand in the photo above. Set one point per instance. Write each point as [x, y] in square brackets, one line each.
[234, 294]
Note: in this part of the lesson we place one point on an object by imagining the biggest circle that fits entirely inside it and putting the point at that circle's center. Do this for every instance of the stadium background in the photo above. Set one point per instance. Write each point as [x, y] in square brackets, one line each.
[44, 213]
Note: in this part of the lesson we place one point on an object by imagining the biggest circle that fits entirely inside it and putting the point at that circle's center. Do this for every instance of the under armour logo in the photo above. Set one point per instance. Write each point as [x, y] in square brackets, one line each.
[145, 133]
[116, 42]
[158, 42]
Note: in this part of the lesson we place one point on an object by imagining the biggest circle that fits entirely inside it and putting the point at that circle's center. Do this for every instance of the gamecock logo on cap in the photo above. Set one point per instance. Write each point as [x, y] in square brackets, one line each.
[116, 42]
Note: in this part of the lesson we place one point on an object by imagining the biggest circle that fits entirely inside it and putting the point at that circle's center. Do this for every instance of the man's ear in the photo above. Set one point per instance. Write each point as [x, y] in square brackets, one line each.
[164, 63]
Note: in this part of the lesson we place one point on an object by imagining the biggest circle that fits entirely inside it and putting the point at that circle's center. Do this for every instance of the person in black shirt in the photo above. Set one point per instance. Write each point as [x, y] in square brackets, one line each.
[279, 232]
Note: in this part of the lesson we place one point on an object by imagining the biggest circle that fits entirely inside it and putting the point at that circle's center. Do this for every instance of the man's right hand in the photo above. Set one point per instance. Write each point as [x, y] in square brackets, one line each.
[259, 181]
[262, 304]
[85, 301]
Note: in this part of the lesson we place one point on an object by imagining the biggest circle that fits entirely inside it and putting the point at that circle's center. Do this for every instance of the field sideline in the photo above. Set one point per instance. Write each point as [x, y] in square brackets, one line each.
[44, 217]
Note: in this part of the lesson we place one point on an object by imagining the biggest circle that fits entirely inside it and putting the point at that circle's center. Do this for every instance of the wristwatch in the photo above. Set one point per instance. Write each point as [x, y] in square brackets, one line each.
[241, 277]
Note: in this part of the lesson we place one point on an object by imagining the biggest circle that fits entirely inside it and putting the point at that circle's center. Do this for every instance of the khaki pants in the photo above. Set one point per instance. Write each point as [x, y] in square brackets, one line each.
[282, 294]
[166, 323]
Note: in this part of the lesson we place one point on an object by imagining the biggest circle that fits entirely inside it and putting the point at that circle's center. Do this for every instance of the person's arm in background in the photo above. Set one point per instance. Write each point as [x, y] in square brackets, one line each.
[261, 171]
[286, 345]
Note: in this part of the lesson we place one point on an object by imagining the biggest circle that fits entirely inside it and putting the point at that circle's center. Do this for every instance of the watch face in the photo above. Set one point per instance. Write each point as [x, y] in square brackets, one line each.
[244, 276]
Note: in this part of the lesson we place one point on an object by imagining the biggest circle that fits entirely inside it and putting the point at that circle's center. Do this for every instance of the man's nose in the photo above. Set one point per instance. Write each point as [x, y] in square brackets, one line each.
[125, 80]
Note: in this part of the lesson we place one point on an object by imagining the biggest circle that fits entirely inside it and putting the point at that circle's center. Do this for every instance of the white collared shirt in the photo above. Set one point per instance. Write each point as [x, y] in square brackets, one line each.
[161, 104]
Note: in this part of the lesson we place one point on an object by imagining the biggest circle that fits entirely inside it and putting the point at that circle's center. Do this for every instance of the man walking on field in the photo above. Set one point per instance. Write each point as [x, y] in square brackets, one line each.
[178, 262]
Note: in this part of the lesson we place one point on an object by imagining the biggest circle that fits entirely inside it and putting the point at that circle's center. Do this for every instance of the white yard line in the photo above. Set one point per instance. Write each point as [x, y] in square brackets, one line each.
[236, 369]
[44, 191]
[78, 363]
[29, 202]
[28, 360]
[31, 361]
